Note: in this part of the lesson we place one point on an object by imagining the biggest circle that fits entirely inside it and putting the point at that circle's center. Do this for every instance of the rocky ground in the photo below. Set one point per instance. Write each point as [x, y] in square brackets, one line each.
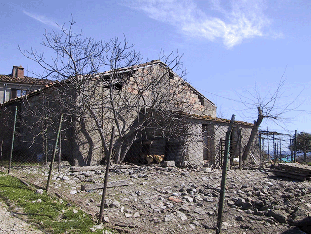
[157, 199]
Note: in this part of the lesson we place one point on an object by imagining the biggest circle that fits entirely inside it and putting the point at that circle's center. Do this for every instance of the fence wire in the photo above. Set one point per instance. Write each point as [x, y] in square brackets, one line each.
[164, 185]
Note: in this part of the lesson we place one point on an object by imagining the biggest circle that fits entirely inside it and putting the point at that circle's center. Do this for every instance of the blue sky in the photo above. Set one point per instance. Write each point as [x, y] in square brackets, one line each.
[230, 48]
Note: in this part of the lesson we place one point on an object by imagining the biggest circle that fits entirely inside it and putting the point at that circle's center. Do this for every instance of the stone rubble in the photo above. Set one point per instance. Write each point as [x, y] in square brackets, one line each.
[170, 199]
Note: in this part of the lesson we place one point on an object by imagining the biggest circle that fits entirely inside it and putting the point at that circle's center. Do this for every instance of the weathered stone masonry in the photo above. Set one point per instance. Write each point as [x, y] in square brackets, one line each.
[81, 142]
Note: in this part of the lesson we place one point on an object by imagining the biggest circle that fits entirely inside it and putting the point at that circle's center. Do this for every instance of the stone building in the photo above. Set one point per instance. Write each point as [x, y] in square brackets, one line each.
[155, 112]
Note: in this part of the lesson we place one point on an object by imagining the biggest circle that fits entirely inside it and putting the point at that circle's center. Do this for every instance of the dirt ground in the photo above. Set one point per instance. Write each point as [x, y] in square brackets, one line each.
[155, 199]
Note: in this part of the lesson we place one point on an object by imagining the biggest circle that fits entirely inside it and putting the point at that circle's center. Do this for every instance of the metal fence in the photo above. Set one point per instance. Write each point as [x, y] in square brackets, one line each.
[151, 193]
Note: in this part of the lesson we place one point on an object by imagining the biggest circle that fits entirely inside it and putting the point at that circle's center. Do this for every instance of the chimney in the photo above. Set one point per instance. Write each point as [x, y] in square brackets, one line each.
[18, 72]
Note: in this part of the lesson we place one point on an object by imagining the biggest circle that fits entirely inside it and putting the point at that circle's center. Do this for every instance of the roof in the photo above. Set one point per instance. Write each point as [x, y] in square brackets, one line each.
[219, 120]
[159, 62]
[48, 83]
[264, 132]
[24, 80]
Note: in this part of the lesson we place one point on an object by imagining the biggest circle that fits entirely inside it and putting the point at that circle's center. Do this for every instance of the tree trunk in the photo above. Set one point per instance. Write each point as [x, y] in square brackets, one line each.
[127, 146]
[305, 156]
[118, 154]
[99, 128]
[122, 146]
[253, 134]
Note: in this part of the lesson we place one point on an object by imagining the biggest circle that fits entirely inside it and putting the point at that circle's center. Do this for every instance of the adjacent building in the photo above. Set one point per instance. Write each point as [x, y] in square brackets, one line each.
[17, 84]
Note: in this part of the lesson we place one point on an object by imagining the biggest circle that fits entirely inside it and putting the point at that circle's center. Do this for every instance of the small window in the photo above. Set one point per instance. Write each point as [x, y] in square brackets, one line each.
[18, 93]
[13, 93]
[204, 127]
[201, 99]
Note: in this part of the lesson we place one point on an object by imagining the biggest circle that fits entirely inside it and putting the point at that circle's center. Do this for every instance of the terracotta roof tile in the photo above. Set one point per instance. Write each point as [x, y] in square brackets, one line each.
[25, 80]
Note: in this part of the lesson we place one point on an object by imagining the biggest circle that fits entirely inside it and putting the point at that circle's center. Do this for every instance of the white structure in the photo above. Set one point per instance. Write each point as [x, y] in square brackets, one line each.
[16, 84]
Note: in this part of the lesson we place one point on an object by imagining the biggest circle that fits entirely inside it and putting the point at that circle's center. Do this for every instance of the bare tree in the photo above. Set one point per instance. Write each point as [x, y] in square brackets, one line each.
[131, 96]
[268, 107]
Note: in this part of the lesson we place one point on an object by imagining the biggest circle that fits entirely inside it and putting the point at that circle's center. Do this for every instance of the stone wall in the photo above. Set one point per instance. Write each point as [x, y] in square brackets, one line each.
[206, 141]
[82, 142]
[194, 143]
[151, 87]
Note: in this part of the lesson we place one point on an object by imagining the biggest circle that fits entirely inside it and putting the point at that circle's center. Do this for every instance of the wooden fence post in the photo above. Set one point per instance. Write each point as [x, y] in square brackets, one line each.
[260, 151]
[54, 153]
[12, 145]
[295, 146]
[106, 179]
[224, 175]
[1, 149]
[60, 150]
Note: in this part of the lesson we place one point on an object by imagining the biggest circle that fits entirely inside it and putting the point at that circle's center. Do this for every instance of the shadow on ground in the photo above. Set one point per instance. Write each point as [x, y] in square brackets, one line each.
[302, 226]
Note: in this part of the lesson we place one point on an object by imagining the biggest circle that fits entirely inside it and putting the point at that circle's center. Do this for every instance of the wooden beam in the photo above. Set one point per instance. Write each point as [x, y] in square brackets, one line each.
[89, 187]
[86, 168]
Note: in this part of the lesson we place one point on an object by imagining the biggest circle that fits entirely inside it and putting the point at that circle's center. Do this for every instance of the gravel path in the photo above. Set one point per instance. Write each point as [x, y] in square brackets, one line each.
[11, 224]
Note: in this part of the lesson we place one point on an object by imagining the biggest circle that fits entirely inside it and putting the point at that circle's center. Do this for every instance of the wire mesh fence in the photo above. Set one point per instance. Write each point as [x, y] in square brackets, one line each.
[276, 146]
[164, 185]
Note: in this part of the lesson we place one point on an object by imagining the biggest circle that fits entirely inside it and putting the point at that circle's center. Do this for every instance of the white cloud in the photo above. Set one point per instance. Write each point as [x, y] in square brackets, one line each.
[42, 19]
[236, 21]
